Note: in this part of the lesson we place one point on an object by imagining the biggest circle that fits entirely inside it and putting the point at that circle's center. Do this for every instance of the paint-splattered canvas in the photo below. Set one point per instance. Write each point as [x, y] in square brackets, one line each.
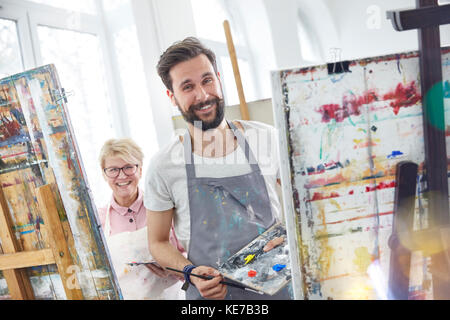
[263, 271]
[37, 147]
[343, 136]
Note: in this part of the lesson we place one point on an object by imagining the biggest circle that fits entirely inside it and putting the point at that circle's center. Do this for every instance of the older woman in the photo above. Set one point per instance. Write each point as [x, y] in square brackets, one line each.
[124, 225]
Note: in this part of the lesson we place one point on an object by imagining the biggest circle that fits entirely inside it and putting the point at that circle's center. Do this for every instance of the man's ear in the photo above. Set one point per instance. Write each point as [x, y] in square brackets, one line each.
[171, 97]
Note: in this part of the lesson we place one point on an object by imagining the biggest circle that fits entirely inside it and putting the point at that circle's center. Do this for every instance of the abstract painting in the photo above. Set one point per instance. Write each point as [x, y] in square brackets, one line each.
[343, 136]
[37, 147]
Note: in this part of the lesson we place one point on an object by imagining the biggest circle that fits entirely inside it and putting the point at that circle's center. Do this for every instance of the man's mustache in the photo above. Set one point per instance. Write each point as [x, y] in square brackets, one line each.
[205, 103]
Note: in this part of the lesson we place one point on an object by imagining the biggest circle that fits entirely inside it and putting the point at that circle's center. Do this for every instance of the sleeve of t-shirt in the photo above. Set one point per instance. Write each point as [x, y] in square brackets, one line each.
[156, 196]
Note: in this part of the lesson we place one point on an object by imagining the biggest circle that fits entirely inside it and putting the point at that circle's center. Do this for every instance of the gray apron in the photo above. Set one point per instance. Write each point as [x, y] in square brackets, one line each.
[226, 214]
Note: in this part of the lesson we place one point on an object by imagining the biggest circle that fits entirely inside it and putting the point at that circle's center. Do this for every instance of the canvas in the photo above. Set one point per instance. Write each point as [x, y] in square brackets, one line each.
[341, 136]
[37, 147]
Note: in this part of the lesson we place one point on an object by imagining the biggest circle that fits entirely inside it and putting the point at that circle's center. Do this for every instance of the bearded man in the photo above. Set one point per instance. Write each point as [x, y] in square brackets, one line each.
[216, 183]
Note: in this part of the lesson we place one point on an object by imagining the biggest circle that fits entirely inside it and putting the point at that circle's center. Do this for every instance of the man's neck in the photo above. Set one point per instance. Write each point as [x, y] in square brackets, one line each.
[213, 143]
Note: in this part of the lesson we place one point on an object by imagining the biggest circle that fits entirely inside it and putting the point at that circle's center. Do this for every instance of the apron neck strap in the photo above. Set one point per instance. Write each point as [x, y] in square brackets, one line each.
[242, 142]
[107, 228]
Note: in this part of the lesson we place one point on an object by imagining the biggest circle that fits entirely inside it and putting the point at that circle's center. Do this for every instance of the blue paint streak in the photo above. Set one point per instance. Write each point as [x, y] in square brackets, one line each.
[25, 232]
[278, 267]
[394, 154]
[447, 89]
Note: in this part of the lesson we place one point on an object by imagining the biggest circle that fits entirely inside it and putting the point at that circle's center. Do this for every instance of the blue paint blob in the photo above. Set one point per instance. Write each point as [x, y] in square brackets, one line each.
[394, 154]
[278, 267]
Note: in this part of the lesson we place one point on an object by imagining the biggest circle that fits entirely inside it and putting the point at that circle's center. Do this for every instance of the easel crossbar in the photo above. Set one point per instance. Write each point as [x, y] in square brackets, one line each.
[26, 259]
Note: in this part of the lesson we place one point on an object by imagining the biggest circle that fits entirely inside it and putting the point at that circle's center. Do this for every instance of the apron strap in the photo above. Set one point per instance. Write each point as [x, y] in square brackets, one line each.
[107, 229]
[242, 142]
[188, 157]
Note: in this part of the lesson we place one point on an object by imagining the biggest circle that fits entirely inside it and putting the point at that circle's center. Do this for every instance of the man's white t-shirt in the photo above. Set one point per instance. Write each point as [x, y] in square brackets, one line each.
[166, 180]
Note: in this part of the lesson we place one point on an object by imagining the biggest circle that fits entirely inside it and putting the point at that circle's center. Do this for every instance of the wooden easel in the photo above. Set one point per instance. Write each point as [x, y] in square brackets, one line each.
[237, 74]
[14, 259]
[426, 18]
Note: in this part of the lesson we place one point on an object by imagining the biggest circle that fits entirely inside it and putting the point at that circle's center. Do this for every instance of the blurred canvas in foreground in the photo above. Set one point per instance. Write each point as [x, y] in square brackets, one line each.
[37, 147]
[341, 138]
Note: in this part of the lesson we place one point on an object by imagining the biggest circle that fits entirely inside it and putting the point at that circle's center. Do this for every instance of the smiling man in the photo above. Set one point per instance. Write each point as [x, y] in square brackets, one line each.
[216, 182]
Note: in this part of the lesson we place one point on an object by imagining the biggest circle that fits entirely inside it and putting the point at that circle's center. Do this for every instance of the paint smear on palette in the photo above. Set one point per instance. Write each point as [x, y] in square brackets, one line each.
[401, 97]
[258, 272]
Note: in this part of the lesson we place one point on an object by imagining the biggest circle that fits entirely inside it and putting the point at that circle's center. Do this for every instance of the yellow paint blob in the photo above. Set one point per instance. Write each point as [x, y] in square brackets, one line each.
[363, 259]
[249, 258]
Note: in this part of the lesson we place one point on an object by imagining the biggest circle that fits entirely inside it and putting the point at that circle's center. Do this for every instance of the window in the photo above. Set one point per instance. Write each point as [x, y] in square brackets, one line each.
[98, 61]
[10, 55]
[209, 16]
[82, 6]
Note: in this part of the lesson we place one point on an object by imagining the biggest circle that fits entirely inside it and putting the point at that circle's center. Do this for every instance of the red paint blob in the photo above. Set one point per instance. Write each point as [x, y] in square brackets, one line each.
[252, 273]
[403, 96]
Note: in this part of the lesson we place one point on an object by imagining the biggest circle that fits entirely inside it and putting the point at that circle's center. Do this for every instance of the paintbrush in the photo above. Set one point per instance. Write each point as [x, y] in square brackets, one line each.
[222, 282]
[142, 263]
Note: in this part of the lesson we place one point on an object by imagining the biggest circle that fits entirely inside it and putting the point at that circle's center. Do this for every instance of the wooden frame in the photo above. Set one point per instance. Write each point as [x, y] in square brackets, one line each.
[14, 260]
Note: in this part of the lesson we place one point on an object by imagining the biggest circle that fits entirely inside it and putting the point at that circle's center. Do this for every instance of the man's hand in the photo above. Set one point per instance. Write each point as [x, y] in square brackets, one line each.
[273, 243]
[209, 289]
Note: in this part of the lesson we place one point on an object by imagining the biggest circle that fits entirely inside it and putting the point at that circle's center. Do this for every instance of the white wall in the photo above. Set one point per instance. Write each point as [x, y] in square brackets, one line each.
[358, 27]
[159, 23]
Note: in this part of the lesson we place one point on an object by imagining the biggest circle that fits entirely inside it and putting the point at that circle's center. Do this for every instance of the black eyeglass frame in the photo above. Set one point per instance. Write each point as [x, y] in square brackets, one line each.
[121, 169]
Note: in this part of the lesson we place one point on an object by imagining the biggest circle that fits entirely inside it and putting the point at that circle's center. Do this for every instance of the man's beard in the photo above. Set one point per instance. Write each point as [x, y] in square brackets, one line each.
[192, 118]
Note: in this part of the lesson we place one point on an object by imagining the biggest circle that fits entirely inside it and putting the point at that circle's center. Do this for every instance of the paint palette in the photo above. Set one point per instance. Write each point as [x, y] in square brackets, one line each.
[264, 271]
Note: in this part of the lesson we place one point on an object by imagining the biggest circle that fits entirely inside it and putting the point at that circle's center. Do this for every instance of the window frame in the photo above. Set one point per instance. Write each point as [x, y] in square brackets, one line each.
[13, 12]
[29, 15]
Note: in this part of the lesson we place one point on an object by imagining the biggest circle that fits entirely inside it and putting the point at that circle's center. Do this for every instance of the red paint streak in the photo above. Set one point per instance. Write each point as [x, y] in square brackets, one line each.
[365, 145]
[351, 105]
[335, 277]
[316, 172]
[320, 196]
[13, 155]
[323, 182]
[403, 96]
[332, 111]
[381, 186]
[362, 217]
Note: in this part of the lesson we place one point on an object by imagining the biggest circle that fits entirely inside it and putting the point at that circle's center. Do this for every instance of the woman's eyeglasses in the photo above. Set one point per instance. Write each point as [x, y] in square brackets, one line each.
[128, 170]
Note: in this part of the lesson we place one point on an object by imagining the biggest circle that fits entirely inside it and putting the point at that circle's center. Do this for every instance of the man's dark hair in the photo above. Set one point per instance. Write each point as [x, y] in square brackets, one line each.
[182, 51]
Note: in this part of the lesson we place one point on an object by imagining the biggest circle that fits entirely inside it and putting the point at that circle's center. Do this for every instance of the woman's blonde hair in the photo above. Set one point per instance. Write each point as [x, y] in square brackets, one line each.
[125, 149]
